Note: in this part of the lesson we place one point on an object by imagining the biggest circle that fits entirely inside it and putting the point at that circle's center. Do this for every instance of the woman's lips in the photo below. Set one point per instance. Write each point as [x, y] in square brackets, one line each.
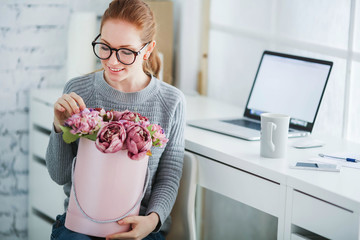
[115, 70]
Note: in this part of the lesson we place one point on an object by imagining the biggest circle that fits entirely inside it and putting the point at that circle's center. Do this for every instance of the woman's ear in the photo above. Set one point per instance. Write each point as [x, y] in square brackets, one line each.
[149, 50]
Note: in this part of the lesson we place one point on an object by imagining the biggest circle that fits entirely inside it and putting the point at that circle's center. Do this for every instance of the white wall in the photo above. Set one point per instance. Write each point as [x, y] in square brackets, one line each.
[31, 49]
[187, 44]
[240, 30]
[33, 44]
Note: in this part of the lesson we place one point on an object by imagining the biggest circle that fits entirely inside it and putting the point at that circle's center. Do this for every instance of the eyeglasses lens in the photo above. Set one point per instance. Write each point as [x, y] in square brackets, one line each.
[103, 52]
[126, 56]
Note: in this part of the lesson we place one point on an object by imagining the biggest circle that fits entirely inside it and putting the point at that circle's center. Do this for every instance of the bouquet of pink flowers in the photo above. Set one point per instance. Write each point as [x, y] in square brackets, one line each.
[113, 131]
[103, 190]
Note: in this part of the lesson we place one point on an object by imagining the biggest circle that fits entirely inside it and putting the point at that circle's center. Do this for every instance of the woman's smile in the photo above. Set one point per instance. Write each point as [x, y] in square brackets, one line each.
[115, 69]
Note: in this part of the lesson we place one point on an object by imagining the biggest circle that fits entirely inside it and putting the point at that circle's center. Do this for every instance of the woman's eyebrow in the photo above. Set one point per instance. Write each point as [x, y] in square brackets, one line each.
[124, 46]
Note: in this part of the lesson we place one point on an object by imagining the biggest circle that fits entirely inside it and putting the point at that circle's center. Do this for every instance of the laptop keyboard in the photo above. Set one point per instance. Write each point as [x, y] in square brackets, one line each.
[244, 123]
[248, 124]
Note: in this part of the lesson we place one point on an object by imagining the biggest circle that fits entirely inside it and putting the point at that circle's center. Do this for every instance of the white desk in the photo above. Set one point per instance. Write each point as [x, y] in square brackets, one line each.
[325, 203]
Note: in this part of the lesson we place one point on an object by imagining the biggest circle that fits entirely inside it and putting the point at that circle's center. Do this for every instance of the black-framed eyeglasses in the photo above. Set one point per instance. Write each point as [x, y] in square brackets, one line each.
[124, 55]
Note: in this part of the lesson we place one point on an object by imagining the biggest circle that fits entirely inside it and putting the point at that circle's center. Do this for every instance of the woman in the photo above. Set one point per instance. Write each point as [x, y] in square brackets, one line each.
[130, 64]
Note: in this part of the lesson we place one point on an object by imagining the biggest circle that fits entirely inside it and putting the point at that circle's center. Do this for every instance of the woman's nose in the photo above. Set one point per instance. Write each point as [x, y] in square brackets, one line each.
[113, 59]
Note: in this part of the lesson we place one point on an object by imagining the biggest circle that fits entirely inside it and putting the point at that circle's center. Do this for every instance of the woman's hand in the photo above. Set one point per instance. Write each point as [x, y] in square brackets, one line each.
[65, 106]
[141, 226]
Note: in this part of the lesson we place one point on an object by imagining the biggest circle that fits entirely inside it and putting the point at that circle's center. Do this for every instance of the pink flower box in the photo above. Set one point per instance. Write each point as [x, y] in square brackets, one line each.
[108, 187]
[108, 174]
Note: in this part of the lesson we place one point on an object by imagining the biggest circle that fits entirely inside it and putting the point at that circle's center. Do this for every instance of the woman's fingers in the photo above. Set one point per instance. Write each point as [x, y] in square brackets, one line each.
[59, 108]
[124, 235]
[128, 220]
[65, 106]
[70, 104]
[62, 103]
[79, 100]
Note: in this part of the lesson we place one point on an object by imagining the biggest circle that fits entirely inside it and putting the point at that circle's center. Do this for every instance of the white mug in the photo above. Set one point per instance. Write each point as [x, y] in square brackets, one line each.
[274, 135]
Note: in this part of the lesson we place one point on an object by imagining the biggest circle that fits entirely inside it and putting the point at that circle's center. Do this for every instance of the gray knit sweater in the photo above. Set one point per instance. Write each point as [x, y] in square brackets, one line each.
[162, 104]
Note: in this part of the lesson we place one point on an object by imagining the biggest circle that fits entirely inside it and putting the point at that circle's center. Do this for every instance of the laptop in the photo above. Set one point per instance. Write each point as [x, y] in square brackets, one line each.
[287, 84]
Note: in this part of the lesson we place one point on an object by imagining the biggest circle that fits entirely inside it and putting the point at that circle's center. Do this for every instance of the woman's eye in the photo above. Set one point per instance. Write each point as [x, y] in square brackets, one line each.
[126, 52]
[104, 48]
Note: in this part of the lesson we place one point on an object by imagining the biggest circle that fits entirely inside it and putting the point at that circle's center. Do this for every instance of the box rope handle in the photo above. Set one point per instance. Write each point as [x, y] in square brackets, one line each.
[109, 220]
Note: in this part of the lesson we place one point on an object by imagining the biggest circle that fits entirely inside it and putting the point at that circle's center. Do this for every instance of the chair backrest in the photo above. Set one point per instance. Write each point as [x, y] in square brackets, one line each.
[183, 212]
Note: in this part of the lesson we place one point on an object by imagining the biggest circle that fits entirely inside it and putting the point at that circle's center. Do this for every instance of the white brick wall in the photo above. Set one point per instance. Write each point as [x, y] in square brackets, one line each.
[33, 47]
[33, 38]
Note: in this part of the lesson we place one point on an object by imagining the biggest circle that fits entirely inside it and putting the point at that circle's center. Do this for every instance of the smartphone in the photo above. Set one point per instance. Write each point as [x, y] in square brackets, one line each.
[316, 166]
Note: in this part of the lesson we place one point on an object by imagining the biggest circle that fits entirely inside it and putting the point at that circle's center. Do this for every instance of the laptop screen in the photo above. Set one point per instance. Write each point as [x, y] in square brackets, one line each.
[289, 85]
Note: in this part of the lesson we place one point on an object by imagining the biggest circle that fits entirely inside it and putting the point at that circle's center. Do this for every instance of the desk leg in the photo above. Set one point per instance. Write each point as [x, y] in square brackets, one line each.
[199, 212]
[288, 211]
[281, 216]
[358, 235]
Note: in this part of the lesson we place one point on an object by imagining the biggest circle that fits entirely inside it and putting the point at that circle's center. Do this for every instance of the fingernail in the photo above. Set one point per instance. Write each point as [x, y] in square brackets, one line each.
[120, 222]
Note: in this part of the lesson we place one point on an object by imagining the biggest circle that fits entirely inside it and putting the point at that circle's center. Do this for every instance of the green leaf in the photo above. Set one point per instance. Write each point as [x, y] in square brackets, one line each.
[137, 119]
[67, 135]
[156, 143]
[91, 136]
[151, 132]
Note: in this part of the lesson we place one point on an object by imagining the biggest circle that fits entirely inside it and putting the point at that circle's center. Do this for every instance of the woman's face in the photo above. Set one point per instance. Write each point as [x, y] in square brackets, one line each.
[120, 34]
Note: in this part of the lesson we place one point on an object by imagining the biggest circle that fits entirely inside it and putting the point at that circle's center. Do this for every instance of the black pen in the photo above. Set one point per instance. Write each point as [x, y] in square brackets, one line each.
[342, 158]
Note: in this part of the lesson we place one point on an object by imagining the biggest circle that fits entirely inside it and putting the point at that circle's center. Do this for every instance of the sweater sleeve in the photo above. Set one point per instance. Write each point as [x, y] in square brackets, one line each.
[59, 155]
[169, 172]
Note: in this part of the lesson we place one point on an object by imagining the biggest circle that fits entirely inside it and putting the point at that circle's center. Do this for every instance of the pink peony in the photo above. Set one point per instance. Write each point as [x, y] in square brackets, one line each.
[127, 124]
[111, 137]
[113, 131]
[158, 135]
[86, 122]
[138, 141]
[130, 116]
[106, 115]
[117, 115]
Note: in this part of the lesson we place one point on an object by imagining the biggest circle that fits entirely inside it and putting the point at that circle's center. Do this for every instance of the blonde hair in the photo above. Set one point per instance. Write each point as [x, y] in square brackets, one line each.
[138, 13]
